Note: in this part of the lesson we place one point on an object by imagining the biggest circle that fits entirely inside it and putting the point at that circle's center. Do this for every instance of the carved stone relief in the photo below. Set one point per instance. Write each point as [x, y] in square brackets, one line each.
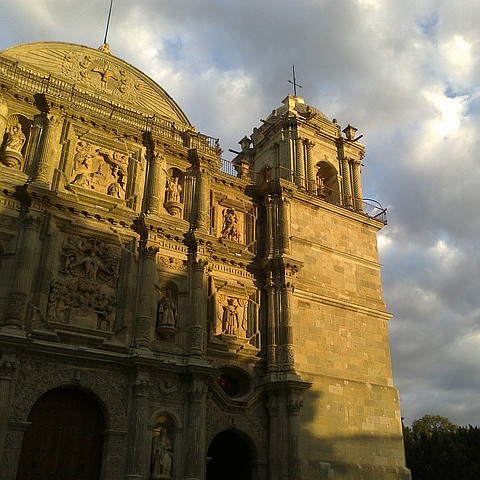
[101, 170]
[36, 378]
[233, 319]
[85, 293]
[231, 228]
[100, 74]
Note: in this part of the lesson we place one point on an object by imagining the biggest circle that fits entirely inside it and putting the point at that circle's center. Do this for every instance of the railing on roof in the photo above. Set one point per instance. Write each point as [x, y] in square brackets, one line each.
[228, 168]
[371, 208]
[94, 105]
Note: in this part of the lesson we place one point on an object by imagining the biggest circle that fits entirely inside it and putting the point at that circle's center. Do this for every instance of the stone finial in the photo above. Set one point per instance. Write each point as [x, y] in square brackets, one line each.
[245, 143]
[349, 132]
[105, 47]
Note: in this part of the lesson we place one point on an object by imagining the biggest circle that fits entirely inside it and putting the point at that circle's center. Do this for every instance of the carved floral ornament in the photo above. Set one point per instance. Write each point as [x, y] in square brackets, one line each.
[85, 292]
[99, 169]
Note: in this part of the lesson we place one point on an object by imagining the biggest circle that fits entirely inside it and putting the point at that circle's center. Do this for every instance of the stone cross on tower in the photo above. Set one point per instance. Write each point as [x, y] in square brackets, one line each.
[294, 83]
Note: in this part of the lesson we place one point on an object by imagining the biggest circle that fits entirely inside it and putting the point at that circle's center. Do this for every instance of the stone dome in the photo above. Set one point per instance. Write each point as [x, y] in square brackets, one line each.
[99, 73]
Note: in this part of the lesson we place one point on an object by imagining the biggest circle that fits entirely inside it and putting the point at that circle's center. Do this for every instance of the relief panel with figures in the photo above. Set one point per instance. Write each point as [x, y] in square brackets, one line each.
[100, 169]
[84, 295]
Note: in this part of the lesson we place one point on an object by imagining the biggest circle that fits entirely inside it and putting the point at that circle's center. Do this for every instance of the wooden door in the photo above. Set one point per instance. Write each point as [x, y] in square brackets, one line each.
[65, 438]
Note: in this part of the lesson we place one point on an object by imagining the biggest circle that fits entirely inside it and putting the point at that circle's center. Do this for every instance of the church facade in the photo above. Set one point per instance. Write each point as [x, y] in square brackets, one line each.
[165, 314]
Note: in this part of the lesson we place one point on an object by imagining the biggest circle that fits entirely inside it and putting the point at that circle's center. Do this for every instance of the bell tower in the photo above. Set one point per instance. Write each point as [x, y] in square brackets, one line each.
[334, 412]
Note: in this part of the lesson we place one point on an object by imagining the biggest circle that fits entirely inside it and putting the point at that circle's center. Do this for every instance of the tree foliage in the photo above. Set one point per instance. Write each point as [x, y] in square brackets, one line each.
[435, 448]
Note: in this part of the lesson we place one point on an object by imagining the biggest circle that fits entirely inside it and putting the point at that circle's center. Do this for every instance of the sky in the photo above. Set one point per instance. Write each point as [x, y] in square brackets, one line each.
[405, 73]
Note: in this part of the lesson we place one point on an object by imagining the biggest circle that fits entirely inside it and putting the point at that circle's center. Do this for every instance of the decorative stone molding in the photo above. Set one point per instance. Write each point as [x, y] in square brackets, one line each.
[36, 378]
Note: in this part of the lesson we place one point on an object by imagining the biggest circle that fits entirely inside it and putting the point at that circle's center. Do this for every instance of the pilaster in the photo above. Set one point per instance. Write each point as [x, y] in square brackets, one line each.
[195, 435]
[138, 427]
[23, 273]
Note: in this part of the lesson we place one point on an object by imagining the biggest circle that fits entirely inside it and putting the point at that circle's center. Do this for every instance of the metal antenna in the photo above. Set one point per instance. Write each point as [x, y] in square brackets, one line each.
[294, 83]
[108, 22]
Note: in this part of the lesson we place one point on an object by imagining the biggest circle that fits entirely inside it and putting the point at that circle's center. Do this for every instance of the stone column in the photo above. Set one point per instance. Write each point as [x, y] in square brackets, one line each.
[138, 429]
[23, 273]
[198, 301]
[188, 195]
[269, 241]
[347, 189]
[299, 164]
[203, 201]
[195, 431]
[357, 185]
[156, 183]
[311, 174]
[286, 290]
[283, 230]
[45, 270]
[44, 158]
[147, 273]
[3, 118]
[271, 326]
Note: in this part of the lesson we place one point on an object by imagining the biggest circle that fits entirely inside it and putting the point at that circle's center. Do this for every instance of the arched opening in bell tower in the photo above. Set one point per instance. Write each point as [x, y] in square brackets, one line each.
[327, 181]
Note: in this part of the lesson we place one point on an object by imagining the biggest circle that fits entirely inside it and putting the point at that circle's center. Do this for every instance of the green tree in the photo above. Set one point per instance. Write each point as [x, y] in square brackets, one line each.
[436, 448]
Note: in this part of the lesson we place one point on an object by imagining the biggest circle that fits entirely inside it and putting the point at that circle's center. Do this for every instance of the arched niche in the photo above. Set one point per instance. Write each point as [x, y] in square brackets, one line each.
[65, 437]
[163, 446]
[327, 181]
[15, 141]
[166, 324]
[174, 192]
[231, 456]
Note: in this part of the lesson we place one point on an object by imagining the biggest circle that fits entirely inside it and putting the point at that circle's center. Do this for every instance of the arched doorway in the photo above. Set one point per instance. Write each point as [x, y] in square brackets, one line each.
[229, 457]
[64, 440]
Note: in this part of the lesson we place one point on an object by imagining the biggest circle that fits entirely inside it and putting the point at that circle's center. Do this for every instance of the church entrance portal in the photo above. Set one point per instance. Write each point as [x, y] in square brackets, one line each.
[65, 439]
[229, 458]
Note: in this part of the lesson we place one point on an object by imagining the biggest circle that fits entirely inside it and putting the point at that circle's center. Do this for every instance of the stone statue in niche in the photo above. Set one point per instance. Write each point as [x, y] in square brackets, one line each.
[173, 202]
[230, 227]
[234, 321]
[173, 190]
[15, 138]
[85, 293]
[162, 454]
[167, 311]
[100, 170]
[167, 316]
[11, 155]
